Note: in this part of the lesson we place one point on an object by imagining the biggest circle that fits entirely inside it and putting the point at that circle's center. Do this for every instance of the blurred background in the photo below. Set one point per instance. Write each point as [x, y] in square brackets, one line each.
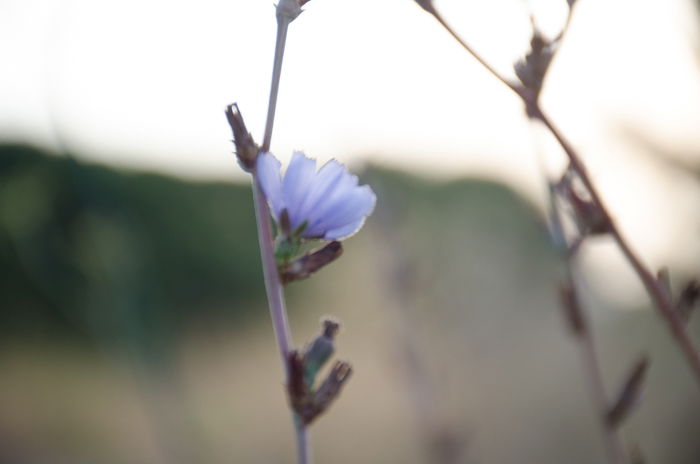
[133, 323]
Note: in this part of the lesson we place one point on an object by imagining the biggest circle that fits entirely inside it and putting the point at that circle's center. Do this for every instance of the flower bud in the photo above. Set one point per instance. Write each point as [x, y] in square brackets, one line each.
[303, 368]
[304, 266]
[532, 68]
[319, 351]
[246, 148]
[329, 390]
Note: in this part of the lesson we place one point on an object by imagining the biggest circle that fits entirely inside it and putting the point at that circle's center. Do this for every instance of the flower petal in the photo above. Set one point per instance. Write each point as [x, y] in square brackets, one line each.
[341, 192]
[296, 185]
[345, 231]
[320, 189]
[353, 206]
[268, 175]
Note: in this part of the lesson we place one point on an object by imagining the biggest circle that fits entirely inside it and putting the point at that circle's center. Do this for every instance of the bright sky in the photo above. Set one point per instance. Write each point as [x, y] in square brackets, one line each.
[144, 83]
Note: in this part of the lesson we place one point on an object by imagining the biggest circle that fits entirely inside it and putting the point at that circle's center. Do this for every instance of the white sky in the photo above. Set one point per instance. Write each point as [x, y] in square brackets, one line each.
[144, 83]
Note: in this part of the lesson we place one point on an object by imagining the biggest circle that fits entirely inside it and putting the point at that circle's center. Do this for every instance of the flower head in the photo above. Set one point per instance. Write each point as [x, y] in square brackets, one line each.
[327, 204]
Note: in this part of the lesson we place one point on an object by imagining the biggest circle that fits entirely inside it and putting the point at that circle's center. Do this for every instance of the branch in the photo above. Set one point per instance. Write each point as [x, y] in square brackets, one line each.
[662, 302]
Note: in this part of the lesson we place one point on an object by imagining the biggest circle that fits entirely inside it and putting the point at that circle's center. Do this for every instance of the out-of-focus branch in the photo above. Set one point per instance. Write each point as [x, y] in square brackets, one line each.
[428, 6]
[530, 96]
[578, 322]
[659, 296]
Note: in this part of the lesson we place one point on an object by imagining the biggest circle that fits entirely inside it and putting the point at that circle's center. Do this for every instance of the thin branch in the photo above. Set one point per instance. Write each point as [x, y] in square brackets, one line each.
[273, 285]
[591, 362]
[580, 326]
[428, 6]
[282, 27]
[658, 294]
[661, 301]
[287, 11]
[303, 447]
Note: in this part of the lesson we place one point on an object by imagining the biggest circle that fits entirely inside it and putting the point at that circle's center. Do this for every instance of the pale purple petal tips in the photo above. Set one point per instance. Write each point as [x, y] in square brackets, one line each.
[329, 201]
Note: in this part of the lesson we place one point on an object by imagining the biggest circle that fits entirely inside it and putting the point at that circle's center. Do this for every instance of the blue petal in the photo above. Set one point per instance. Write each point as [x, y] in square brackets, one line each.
[341, 192]
[356, 204]
[322, 186]
[268, 175]
[296, 185]
[345, 231]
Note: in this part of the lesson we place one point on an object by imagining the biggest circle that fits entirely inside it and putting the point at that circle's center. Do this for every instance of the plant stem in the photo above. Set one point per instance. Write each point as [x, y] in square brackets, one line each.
[471, 51]
[282, 27]
[273, 285]
[302, 434]
[583, 334]
[591, 367]
[591, 364]
[662, 301]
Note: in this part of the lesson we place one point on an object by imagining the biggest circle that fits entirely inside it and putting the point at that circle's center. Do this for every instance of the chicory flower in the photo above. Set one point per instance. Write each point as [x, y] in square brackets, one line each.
[325, 204]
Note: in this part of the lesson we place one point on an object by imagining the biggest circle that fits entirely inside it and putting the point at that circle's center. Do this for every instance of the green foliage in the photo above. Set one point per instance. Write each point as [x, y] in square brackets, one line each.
[123, 256]
[97, 251]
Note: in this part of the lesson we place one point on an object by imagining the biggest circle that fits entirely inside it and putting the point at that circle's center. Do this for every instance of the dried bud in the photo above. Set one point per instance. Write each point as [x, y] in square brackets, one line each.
[572, 309]
[319, 351]
[303, 369]
[296, 387]
[687, 299]
[532, 68]
[246, 148]
[629, 394]
[328, 391]
[589, 216]
[302, 267]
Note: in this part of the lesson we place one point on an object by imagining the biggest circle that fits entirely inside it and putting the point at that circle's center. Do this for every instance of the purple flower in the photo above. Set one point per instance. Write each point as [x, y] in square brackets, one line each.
[328, 203]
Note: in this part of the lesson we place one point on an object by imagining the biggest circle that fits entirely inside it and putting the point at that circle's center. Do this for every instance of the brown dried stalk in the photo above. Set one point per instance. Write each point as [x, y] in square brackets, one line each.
[661, 300]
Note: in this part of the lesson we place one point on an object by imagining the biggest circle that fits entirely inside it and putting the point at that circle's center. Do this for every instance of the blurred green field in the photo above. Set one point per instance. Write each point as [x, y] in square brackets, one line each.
[133, 328]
